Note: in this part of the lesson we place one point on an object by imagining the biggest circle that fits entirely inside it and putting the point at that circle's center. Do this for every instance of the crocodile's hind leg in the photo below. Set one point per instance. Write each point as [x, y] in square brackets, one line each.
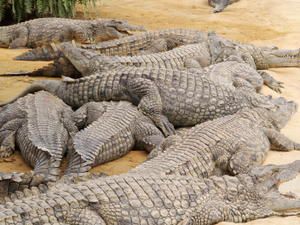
[20, 38]
[144, 93]
[7, 144]
[164, 145]
[146, 134]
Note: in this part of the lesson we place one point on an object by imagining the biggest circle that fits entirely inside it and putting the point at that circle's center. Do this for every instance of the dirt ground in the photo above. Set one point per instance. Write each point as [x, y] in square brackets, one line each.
[268, 22]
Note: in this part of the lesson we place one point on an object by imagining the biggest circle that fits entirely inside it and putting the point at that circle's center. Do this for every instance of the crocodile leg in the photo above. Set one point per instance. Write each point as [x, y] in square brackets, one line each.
[147, 136]
[242, 83]
[21, 38]
[7, 145]
[164, 145]
[146, 94]
[271, 82]
[280, 142]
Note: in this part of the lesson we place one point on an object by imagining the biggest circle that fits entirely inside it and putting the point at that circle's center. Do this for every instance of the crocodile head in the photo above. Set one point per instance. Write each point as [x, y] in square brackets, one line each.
[105, 30]
[80, 58]
[279, 116]
[272, 113]
[264, 180]
[277, 58]
[219, 5]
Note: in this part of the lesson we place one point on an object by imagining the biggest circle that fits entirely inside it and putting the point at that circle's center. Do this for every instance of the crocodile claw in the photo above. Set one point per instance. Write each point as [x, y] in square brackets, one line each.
[166, 127]
[276, 86]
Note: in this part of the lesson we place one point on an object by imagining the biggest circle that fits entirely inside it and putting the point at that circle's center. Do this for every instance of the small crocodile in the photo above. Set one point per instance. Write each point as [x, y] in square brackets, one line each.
[43, 31]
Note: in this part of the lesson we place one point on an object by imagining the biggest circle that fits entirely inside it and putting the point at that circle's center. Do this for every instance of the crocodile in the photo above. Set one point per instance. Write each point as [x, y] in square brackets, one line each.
[229, 145]
[43, 31]
[41, 127]
[220, 5]
[112, 130]
[143, 43]
[156, 199]
[210, 50]
[165, 96]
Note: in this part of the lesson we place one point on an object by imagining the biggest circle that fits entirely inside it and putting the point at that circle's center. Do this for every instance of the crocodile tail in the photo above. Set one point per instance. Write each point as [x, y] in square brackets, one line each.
[44, 85]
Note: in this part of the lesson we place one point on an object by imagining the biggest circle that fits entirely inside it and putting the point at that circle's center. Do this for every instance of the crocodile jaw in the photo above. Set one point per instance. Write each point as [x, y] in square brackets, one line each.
[282, 58]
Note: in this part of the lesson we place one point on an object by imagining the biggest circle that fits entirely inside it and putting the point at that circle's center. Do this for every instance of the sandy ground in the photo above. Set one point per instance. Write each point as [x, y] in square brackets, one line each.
[268, 22]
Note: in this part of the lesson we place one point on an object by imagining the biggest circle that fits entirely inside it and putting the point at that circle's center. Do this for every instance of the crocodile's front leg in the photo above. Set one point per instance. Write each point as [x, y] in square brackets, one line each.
[280, 142]
[271, 82]
[145, 93]
[147, 135]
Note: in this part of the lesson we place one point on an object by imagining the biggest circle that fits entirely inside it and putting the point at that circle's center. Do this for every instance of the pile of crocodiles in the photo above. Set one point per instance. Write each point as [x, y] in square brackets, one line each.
[191, 99]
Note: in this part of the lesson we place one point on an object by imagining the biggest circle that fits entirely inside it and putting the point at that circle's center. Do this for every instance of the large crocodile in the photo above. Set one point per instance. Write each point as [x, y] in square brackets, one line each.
[184, 98]
[41, 127]
[113, 128]
[76, 62]
[144, 43]
[229, 145]
[43, 31]
[220, 5]
[152, 199]
[210, 50]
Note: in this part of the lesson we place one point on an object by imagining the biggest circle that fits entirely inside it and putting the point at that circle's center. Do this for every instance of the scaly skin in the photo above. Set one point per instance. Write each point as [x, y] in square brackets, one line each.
[152, 199]
[113, 128]
[73, 61]
[216, 49]
[260, 58]
[41, 127]
[144, 43]
[184, 98]
[229, 145]
[43, 31]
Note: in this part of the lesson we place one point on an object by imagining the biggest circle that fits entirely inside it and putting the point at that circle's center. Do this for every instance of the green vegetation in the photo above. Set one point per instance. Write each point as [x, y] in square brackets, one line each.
[23, 9]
